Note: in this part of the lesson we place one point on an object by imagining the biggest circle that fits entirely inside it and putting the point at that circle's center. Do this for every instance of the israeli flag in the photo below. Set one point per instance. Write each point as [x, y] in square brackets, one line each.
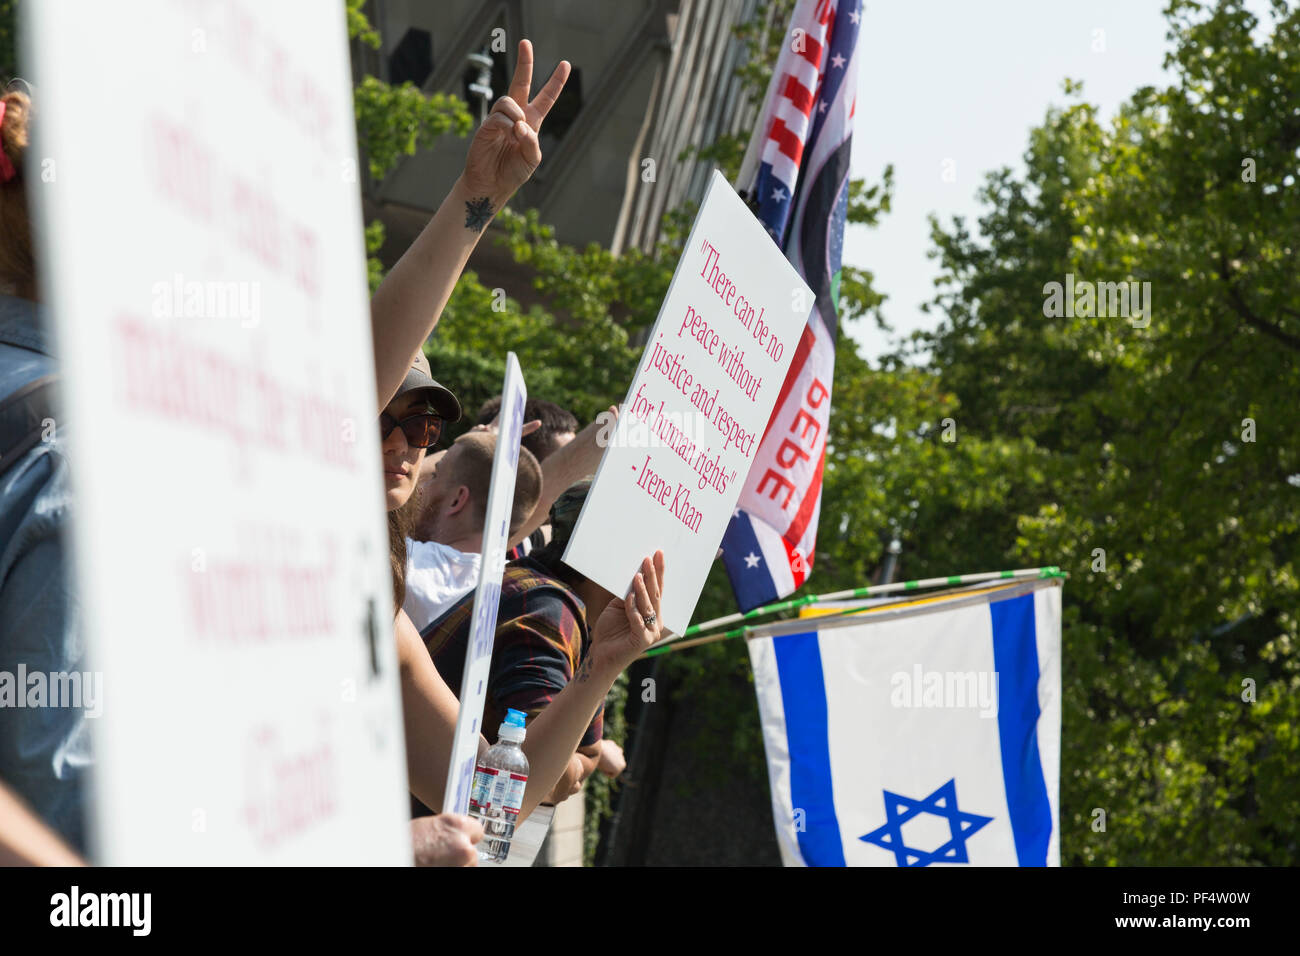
[922, 735]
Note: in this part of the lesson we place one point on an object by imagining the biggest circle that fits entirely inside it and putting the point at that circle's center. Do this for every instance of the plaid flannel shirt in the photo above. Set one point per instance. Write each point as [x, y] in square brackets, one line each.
[541, 637]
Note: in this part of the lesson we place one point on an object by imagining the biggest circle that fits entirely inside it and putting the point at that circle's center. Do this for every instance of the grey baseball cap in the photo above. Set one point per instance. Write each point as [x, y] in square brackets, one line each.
[420, 379]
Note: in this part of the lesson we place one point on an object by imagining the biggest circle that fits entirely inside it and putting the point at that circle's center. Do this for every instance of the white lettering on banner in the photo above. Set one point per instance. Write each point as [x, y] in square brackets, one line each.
[784, 487]
[791, 459]
[704, 390]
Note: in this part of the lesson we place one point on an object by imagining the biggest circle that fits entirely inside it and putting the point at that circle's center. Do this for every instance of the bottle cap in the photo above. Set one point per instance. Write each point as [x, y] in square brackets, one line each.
[513, 727]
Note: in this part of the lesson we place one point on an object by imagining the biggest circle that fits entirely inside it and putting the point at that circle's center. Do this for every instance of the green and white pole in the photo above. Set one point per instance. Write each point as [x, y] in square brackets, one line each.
[857, 593]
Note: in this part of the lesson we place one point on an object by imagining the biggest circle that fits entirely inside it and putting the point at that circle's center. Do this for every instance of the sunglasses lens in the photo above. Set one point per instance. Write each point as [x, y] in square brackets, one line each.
[422, 431]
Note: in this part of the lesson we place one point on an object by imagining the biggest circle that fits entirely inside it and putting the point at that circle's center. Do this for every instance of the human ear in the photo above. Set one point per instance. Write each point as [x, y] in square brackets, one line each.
[460, 501]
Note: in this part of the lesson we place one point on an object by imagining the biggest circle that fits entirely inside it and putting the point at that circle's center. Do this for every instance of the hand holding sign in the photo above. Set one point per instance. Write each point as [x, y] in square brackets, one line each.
[628, 626]
[505, 150]
[445, 840]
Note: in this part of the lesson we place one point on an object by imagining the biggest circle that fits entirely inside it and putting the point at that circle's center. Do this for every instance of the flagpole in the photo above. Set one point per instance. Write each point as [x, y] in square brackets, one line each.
[794, 625]
[1050, 571]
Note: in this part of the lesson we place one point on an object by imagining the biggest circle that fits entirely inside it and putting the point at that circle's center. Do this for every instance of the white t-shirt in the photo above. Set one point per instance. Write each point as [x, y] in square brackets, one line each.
[436, 578]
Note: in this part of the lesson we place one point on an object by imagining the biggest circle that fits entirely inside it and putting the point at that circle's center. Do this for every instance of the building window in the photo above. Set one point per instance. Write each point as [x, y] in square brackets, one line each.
[566, 108]
[412, 59]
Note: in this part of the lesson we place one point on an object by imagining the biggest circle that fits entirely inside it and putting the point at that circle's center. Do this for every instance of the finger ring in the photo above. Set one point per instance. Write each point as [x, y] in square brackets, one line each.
[650, 619]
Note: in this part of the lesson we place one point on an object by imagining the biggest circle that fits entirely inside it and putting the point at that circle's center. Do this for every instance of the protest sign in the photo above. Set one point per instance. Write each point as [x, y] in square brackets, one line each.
[696, 409]
[487, 594]
[195, 173]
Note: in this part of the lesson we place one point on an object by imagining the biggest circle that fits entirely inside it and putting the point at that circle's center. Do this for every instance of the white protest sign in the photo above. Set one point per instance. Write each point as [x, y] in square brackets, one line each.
[696, 409]
[487, 595]
[195, 169]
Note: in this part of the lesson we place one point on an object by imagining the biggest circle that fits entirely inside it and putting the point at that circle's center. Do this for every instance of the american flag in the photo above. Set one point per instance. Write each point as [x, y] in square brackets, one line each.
[800, 189]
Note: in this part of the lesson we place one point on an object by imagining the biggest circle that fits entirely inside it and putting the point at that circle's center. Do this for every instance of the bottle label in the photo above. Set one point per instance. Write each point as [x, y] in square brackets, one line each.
[496, 797]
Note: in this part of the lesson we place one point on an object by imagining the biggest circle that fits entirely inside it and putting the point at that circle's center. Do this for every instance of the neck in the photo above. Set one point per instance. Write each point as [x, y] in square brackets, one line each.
[452, 534]
[468, 543]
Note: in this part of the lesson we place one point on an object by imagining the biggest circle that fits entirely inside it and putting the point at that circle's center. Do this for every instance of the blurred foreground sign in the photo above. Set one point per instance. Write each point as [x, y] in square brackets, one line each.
[204, 264]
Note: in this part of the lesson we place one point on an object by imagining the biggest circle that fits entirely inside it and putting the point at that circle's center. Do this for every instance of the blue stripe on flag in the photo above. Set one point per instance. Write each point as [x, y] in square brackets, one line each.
[1015, 657]
[803, 696]
[750, 578]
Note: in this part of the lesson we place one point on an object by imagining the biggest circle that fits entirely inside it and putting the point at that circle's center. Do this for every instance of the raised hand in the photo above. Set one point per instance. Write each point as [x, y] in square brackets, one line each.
[629, 625]
[505, 151]
[494, 426]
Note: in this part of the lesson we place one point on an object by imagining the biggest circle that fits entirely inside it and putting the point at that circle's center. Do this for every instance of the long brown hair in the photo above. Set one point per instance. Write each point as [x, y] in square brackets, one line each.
[398, 524]
[17, 263]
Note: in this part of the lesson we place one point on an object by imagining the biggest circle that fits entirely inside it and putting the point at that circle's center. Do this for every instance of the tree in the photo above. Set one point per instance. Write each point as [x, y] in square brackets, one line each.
[1160, 442]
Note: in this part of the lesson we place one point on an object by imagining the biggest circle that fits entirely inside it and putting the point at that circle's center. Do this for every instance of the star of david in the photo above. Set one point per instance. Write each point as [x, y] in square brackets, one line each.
[941, 803]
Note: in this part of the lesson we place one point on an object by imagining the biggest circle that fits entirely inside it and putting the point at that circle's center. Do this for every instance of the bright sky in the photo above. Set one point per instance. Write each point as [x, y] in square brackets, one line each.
[963, 80]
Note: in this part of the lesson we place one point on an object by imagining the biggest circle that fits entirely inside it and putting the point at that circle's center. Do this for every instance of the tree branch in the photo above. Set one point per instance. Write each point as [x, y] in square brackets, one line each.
[1239, 305]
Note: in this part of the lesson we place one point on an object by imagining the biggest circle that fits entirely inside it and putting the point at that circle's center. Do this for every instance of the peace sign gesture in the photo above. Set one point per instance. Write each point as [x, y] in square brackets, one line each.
[505, 150]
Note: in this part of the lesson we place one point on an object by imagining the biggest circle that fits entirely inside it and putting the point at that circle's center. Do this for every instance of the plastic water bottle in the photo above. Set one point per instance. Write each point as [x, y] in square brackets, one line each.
[498, 789]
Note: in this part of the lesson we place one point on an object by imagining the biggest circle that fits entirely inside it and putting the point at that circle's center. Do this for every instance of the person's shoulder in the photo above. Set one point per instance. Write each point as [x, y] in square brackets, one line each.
[541, 603]
[23, 324]
[524, 573]
[528, 578]
[451, 628]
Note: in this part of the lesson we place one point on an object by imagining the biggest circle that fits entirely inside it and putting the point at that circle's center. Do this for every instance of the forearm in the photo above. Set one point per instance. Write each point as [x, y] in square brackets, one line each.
[26, 841]
[556, 732]
[408, 303]
[586, 763]
[429, 716]
[562, 468]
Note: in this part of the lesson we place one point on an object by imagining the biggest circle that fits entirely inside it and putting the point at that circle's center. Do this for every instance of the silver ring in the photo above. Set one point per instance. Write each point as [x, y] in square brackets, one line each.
[649, 619]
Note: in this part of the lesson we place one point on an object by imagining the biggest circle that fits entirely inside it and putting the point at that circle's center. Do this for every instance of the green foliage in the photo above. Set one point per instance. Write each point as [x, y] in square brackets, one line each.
[374, 236]
[599, 789]
[1133, 440]
[392, 122]
[8, 40]
[359, 27]
[395, 121]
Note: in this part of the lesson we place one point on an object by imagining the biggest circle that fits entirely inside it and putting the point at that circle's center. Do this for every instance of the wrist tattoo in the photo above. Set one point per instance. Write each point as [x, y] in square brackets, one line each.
[584, 671]
[478, 213]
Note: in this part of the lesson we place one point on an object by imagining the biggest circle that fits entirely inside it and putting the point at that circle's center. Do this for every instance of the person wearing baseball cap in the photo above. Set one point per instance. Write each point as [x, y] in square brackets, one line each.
[411, 424]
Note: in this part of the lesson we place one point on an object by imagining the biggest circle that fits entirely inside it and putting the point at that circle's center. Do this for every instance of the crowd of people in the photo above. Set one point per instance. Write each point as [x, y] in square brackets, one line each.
[561, 639]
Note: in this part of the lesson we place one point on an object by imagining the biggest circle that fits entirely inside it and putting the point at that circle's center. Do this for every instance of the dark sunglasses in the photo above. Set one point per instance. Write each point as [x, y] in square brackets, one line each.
[421, 431]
